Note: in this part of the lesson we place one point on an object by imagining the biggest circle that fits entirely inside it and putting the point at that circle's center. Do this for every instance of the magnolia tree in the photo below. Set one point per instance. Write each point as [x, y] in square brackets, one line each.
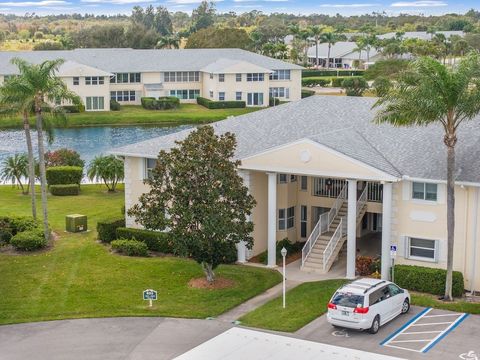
[198, 195]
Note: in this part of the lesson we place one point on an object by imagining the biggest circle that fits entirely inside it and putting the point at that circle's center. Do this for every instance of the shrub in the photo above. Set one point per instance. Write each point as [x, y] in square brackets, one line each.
[155, 240]
[427, 280]
[209, 104]
[163, 103]
[114, 105]
[73, 109]
[382, 85]
[314, 81]
[14, 225]
[273, 101]
[107, 230]
[61, 175]
[331, 73]
[63, 157]
[29, 240]
[307, 93]
[363, 265]
[130, 247]
[64, 190]
[354, 86]
[5, 237]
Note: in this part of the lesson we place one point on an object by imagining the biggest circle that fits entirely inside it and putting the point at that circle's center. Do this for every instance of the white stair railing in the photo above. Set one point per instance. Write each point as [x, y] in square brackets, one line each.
[323, 224]
[332, 244]
[362, 200]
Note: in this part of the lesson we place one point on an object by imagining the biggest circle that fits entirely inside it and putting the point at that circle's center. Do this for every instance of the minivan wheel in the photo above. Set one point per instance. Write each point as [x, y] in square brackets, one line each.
[405, 306]
[375, 325]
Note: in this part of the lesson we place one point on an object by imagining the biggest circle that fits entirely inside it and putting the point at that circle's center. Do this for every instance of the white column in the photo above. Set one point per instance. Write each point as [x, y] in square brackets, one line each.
[386, 229]
[272, 219]
[241, 246]
[351, 228]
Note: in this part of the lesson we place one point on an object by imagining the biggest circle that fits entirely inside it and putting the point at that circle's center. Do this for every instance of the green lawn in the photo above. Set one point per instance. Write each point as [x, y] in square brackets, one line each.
[135, 115]
[304, 303]
[81, 278]
[458, 305]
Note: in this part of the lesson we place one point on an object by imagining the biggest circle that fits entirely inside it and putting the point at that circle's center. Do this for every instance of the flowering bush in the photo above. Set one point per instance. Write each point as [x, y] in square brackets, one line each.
[63, 157]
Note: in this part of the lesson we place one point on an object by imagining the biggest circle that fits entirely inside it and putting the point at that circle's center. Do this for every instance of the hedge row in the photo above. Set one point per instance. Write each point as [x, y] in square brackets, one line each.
[29, 240]
[107, 230]
[64, 190]
[326, 81]
[61, 175]
[162, 103]
[307, 93]
[311, 73]
[209, 104]
[130, 247]
[73, 109]
[427, 280]
[155, 240]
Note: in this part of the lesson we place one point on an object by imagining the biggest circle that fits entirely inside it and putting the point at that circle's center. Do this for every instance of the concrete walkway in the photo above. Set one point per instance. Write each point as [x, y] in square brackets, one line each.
[257, 301]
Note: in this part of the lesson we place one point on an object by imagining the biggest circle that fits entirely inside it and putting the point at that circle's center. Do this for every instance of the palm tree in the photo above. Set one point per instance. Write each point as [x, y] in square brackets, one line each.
[304, 36]
[14, 169]
[431, 93]
[316, 31]
[108, 169]
[361, 46]
[41, 88]
[14, 103]
[330, 38]
[168, 42]
[370, 41]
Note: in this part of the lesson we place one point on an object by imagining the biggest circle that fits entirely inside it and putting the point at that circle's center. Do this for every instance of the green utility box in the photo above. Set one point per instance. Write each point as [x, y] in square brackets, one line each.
[76, 223]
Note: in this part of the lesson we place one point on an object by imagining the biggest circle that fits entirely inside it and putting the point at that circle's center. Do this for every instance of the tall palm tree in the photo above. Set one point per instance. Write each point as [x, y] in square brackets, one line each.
[361, 46]
[13, 104]
[330, 38]
[14, 169]
[304, 35]
[431, 93]
[316, 31]
[168, 42]
[42, 88]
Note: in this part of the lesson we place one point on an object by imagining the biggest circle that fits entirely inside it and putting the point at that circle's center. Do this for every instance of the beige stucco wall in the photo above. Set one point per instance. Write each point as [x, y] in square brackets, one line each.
[294, 84]
[134, 186]
[83, 90]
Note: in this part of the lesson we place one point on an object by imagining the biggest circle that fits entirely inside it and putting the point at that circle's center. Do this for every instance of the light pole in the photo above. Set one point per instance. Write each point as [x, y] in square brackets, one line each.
[284, 254]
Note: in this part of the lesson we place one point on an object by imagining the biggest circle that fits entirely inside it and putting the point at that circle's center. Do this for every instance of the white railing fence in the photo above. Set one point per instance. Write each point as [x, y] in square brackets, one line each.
[375, 192]
[332, 244]
[327, 187]
[362, 200]
[342, 196]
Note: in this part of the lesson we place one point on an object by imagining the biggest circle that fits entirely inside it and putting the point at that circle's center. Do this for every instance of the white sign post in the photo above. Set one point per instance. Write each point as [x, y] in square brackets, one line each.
[393, 255]
[149, 295]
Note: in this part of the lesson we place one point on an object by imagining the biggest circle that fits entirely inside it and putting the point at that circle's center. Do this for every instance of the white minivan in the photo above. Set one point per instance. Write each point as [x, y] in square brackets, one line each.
[367, 304]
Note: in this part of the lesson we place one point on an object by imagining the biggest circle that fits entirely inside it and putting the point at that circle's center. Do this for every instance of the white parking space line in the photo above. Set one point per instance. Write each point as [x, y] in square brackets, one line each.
[423, 345]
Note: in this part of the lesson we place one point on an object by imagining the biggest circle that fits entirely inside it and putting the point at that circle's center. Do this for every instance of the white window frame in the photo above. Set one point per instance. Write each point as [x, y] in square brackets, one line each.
[303, 188]
[221, 96]
[435, 249]
[282, 219]
[238, 77]
[291, 217]
[238, 96]
[221, 77]
[76, 80]
[424, 198]
[93, 103]
[280, 179]
[148, 169]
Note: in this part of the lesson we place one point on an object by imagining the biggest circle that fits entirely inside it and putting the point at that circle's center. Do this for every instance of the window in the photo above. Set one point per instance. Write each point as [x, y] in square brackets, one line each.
[280, 75]
[94, 80]
[282, 221]
[293, 178]
[135, 77]
[255, 99]
[424, 191]
[422, 249]
[211, 94]
[282, 178]
[185, 94]
[347, 300]
[255, 77]
[120, 78]
[303, 221]
[94, 103]
[211, 76]
[221, 96]
[304, 183]
[290, 217]
[238, 96]
[394, 289]
[123, 95]
[221, 77]
[76, 80]
[238, 77]
[181, 76]
[149, 166]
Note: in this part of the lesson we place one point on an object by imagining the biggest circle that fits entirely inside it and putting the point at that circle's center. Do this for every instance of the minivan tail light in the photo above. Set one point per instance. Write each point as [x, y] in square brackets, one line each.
[361, 310]
[332, 306]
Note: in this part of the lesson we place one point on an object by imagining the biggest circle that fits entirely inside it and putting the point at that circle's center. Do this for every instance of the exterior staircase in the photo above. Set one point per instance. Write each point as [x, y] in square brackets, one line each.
[329, 235]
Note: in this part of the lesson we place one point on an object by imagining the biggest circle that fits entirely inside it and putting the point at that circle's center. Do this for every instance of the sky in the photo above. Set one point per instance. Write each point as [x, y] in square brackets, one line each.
[344, 7]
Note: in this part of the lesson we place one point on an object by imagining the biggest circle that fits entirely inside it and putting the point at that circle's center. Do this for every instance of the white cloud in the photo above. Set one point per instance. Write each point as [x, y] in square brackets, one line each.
[115, 2]
[421, 3]
[347, 5]
[188, 1]
[34, 3]
[255, 1]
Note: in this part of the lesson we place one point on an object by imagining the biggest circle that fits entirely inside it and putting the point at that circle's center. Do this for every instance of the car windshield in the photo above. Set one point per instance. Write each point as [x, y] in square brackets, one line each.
[347, 299]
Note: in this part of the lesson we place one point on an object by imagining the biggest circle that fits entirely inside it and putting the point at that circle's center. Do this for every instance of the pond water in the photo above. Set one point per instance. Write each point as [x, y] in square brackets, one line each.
[88, 141]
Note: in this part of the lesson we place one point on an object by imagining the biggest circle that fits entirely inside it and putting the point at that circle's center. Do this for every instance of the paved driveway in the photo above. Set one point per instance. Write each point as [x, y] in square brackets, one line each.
[461, 340]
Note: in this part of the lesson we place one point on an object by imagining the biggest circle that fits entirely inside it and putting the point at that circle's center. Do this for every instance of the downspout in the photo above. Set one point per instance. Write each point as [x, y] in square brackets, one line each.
[474, 240]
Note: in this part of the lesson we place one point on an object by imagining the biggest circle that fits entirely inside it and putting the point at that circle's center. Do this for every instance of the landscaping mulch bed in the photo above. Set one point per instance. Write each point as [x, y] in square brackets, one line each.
[219, 283]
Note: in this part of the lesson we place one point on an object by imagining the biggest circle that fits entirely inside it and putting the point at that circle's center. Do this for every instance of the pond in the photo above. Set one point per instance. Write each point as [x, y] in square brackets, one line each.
[88, 141]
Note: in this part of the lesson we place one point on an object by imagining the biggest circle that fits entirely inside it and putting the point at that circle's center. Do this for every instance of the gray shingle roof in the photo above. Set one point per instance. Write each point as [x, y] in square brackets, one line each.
[134, 60]
[341, 49]
[345, 125]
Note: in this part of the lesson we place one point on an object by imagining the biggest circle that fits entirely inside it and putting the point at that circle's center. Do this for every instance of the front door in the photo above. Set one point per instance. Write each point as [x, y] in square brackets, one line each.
[303, 221]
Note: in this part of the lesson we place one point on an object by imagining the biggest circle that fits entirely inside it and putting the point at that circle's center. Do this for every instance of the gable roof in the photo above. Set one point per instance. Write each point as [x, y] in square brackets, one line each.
[231, 66]
[422, 35]
[344, 124]
[341, 49]
[72, 68]
[143, 60]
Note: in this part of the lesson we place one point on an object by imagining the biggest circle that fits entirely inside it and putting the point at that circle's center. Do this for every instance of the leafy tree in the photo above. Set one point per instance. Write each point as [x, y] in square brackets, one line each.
[108, 169]
[219, 38]
[38, 87]
[354, 86]
[139, 37]
[163, 21]
[48, 45]
[390, 68]
[203, 16]
[431, 93]
[14, 169]
[197, 193]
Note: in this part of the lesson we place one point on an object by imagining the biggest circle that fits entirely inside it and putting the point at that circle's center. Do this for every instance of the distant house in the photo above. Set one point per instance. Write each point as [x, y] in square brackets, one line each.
[127, 75]
[323, 174]
[422, 35]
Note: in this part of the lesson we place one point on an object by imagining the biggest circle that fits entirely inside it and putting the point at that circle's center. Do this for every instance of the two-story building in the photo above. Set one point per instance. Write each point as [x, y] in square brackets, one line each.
[127, 75]
[324, 174]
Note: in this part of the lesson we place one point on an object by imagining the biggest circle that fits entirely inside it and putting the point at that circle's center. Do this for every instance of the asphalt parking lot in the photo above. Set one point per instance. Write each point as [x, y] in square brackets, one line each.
[420, 334]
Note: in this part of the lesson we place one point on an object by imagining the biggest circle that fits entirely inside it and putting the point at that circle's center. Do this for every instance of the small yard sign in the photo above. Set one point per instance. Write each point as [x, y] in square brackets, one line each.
[149, 295]
[393, 251]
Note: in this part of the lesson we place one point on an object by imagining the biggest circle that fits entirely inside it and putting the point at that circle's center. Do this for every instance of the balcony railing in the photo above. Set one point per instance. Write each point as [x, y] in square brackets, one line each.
[375, 192]
[327, 187]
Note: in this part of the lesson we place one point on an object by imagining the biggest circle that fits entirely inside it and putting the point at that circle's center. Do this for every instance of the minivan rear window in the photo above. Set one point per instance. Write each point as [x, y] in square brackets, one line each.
[347, 299]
